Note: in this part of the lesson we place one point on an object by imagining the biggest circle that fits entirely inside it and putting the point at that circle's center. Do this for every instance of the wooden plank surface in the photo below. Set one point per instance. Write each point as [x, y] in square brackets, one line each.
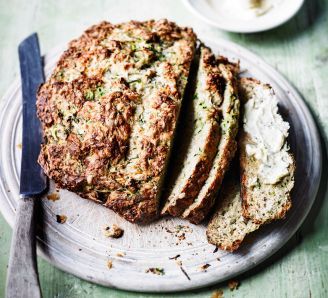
[298, 49]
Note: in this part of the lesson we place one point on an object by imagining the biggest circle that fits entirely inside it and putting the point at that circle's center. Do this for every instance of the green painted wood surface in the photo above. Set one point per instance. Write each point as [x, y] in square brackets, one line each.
[298, 49]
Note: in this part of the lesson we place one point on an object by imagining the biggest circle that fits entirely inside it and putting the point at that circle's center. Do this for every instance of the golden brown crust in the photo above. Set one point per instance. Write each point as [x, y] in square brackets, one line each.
[109, 111]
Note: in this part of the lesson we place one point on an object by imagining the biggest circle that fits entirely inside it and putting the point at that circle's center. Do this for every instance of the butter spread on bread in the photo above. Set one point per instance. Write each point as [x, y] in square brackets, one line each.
[268, 133]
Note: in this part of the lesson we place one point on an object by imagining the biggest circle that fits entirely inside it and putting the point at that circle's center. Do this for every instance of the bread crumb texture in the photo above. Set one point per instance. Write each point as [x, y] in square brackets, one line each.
[113, 231]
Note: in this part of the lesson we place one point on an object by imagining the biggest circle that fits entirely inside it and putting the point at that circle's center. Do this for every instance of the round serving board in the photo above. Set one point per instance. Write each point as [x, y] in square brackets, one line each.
[80, 247]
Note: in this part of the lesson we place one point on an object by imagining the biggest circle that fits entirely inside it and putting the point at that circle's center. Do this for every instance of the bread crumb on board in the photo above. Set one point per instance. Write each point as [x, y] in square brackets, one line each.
[61, 218]
[233, 285]
[114, 231]
[204, 267]
[179, 232]
[53, 197]
[217, 294]
[110, 264]
[157, 271]
[120, 254]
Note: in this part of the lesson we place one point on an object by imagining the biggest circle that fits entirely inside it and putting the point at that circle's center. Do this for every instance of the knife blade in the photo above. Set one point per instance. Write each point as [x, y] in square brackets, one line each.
[22, 277]
[32, 179]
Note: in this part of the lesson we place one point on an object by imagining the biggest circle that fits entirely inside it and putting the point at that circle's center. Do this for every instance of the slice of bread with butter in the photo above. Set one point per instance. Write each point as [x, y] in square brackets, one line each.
[267, 167]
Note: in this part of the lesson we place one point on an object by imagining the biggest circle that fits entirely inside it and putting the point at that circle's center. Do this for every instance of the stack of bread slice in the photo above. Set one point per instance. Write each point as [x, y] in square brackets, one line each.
[266, 171]
[227, 146]
[200, 136]
[211, 143]
[257, 194]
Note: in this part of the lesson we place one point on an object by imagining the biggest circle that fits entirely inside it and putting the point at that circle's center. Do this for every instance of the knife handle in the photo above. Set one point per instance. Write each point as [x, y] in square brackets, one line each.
[22, 277]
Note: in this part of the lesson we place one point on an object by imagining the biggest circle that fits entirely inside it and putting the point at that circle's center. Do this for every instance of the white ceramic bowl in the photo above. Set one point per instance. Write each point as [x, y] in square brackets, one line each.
[211, 12]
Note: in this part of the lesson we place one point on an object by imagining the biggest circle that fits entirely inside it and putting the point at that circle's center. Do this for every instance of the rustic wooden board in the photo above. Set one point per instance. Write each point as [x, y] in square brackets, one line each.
[79, 246]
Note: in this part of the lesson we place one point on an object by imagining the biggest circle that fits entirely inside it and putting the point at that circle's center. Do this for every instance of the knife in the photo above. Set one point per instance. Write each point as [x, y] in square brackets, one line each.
[22, 278]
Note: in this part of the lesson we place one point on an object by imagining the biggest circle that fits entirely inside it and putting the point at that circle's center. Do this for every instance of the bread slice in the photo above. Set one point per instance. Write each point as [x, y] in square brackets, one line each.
[198, 143]
[267, 167]
[228, 228]
[204, 201]
[109, 113]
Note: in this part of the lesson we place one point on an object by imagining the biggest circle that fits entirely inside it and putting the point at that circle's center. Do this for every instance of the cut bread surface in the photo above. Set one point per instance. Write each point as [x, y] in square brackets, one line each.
[199, 138]
[109, 112]
[267, 166]
[227, 146]
[228, 228]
